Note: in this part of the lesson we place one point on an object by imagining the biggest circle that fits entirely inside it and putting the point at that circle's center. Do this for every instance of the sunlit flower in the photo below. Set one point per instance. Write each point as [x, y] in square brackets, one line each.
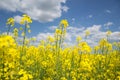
[87, 33]
[29, 31]
[78, 38]
[108, 33]
[15, 31]
[64, 23]
[52, 60]
[58, 31]
[25, 19]
[23, 34]
[51, 39]
[10, 21]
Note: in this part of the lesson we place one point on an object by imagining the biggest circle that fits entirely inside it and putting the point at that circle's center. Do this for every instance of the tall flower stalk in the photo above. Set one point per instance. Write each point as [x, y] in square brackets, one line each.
[108, 34]
[10, 24]
[25, 21]
[87, 33]
[59, 36]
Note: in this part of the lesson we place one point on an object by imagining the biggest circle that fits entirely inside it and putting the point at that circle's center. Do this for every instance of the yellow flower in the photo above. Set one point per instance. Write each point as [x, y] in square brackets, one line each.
[29, 31]
[28, 26]
[87, 33]
[64, 23]
[58, 31]
[78, 38]
[23, 34]
[108, 33]
[21, 72]
[72, 74]
[84, 47]
[44, 64]
[25, 19]
[10, 21]
[11, 65]
[15, 31]
[21, 28]
[33, 39]
[6, 41]
[63, 78]
[96, 48]
[103, 42]
[51, 39]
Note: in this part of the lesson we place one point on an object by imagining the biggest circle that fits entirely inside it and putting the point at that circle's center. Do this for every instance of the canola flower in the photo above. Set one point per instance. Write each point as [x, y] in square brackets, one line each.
[64, 23]
[108, 33]
[15, 32]
[87, 33]
[49, 60]
[10, 23]
[58, 32]
[62, 31]
[26, 20]
[78, 39]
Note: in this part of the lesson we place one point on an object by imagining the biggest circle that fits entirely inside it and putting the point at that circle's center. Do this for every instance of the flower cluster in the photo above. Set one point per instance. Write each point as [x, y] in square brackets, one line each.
[50, 60]
[10, 21]
[25, 19]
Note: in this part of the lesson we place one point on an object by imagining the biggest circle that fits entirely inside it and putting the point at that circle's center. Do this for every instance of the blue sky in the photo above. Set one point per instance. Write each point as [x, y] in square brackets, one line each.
[95, 15]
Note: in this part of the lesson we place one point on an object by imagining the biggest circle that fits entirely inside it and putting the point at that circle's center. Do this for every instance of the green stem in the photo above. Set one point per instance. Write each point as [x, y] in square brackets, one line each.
[8, 30]
[3, 66]
[24, 37]
[56, 44]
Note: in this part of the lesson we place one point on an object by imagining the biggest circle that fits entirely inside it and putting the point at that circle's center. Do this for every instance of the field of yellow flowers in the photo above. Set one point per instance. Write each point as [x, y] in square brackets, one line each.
[51, 60]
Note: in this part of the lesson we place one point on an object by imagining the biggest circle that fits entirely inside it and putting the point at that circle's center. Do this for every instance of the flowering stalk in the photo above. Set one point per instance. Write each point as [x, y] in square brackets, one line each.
[24, 37]
[8, 30]
[108, 33]
[3, 67]
[63, 25]
[10, 23]
[87, 33]
[25, 21]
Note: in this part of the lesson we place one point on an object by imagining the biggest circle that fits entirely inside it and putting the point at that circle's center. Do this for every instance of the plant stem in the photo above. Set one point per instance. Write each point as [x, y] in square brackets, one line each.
[3, 65]
[8, 30]
[24, 37]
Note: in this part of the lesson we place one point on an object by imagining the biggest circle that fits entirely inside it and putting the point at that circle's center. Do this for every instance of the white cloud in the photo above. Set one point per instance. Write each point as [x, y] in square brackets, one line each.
[90, 16]
[94, 29]
[68, 37]
[17, 19]
[40, 10]
[95, 34]
[52, 28]
[10, 5]
[43, 36]
[65, 8]
[108, 11]
[73, 32]
[115, 36]
[108, 24]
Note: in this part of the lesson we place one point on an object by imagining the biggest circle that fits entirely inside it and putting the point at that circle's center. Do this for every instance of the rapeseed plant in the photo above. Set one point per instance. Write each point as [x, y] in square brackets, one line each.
[10, 23]
[49, 60]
